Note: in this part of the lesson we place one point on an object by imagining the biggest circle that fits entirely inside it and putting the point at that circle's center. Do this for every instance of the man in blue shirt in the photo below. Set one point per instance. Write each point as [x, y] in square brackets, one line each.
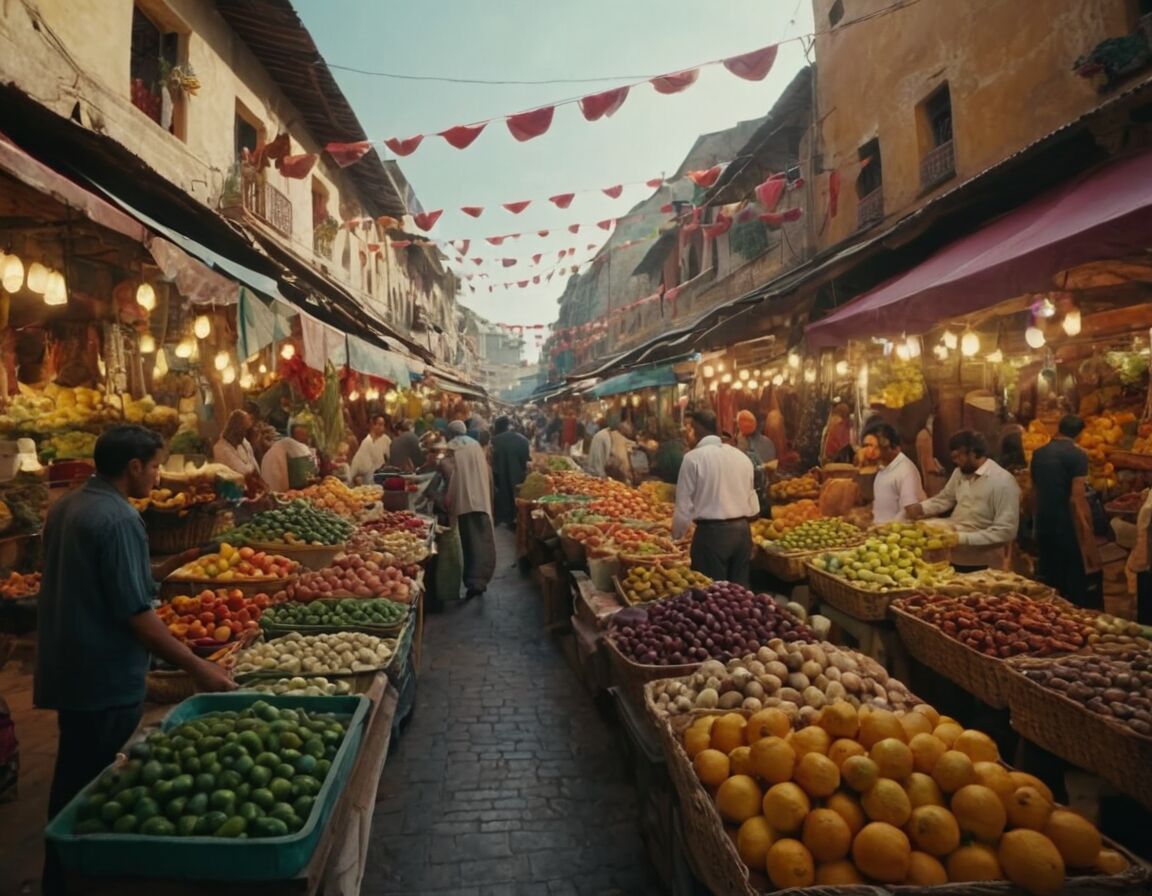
[96, 625]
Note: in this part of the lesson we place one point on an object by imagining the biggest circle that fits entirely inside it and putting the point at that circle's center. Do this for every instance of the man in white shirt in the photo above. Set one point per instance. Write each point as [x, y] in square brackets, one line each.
[293, 447]
[715, 489]
[233, 448]
[372, 453]
[897, 484]
[599, 451]
[985, 503]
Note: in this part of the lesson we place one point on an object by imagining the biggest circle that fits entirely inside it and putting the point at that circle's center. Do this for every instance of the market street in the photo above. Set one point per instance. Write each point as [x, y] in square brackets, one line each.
[507, 779]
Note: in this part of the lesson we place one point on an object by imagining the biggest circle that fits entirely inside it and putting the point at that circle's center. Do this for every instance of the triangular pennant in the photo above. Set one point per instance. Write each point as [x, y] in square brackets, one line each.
[706, 178]
[676, 81]
[613, 192]
[543, 233]
[297, 166]
[526, 125]
[536, 279]
[373, 247]
[462, 246]
[655, 183]
[573, 228]
[462, 135]
[752, 66]
[602, 105]
[517, 207]
[387, 222]
[606, 224]
[401, 244]
[562, 200]
[495, 240]
[521, 283]
[591, 246]
[404, 146]
[345, 154]
[427, 220]
[477, 261]
[508, 262]
[721, 226]
[474, 211]
[536, 258]
[768, 193]
[667, 208]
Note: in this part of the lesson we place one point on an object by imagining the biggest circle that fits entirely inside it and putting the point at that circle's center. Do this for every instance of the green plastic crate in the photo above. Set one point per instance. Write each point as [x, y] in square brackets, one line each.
[216, 858]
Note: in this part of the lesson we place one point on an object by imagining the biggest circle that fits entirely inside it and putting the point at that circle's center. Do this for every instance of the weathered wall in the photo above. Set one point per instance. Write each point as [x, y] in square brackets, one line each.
[1008, 65]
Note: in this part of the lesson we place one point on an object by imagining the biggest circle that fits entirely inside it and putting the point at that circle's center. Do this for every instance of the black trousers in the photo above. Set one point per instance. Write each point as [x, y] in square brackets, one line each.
[1061, 567]
[89, 742]
[722, 551]
[478, 545]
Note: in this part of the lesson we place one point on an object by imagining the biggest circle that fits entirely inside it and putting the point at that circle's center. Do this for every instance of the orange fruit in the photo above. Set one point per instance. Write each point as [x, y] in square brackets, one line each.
[996, 778]
[705, 722]
[843, 749]
[740, 761]
[879, 724]
[847, 806]
[728, 732]
[893, 757]
[882, 852]
[915, 723]
[1032, 862]
[839, 719]
[812, 739]
[860, 773]
[1027, 808]
[838, 874]
[977, 861]
[817, 774]
[953, 771]
[1023, 779]
[923, 791]
[1109, 861]
[738, 799]
[789, 864]
[1077, 839]
[753, 839]
[926, 751]
[827, 835]
[928, 711]
[925, 870]
[979, 812]
[933, 830]
[887, 802]
[786, 806]
[977, 746]
[773, 759]
[695, 740]
[771, 722]
[948, 732]
[712, 767]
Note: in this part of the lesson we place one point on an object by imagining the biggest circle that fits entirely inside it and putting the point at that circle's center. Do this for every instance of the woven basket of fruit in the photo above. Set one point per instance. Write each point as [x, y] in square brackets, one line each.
[628, 561]
[787, 566]
[175, 685]
[870, 606]
[644, 584]
[172, 532]
[630, 676]
[309, 556]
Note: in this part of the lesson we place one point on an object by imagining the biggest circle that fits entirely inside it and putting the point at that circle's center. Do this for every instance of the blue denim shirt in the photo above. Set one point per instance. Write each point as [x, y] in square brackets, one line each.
[96, 578]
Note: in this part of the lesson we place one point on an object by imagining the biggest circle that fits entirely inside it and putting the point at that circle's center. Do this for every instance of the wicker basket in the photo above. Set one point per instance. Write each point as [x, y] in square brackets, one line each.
[575, 555]
[787, 566]
[870, 606]
[309, 556]
[1062, 726]
[627, 561]
[631, 676]
[980, 675]
[168, 686]
[170, 587]
[170, 532]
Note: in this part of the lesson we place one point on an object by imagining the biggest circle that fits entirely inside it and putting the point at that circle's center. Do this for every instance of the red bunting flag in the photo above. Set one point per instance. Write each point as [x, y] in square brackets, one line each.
[477, 261]
[603, 105]
[573, 228]
[606, 224]
[721, 226]
[404, 147]
[427, 220]
[676, 81]
[656, 183]
[778, 219]
[474, 211]
[296, 166]
[562, 200]
[521, 283]
[517, 207]
[373, 247]
[536, 279]
[752, 66]
[705, 179]
[386, 222]
[613, 192]
[345, 154]
[768, 193]
[401, 244]
[536, 258]
[462, 246]
[526, 125]
[496, 240]
[542, 233]
[462, 135]
[667, 208]
[591, 246]
[694, 223]
[508, 262]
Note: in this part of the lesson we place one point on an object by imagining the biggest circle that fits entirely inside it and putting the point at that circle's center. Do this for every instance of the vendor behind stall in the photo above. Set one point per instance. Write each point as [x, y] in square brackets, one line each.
[291, 461]
[897, 483]
[372, 453]
[233, 449]
[750, 438]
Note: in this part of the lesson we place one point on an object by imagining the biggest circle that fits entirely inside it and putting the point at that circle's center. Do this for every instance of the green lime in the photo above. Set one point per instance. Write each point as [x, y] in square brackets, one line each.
[157, 827]
[110, 811]
[145, 808]
[222, 800]
[125, 824]
[90, 826]
[281, 788]
[186, 825]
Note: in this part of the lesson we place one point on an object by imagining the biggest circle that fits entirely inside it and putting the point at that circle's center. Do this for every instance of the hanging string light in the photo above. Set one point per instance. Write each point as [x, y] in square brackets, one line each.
[161, 367]
[1071, 322]
[970, 344]
[1034, 336]
[55, 289]
[951, 340]
[997, 357]
[221, 361]
[11, 272]
[288, 352]
[146, 296]
[202, 327]
[147, 344]
[794, 360]
[228, 375]
[184, 348]
[841, 368]
[37, 278]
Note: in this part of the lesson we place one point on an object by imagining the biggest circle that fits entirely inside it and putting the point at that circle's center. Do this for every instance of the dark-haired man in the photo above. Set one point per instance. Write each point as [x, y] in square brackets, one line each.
[715, 489]
[96, 625]
[372, 453]
[406, 452]
[985, 503]
[511, 453]
[897, 483]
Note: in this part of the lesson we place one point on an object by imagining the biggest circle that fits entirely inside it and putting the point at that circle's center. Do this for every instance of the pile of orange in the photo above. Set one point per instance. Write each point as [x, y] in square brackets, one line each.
[870, 795]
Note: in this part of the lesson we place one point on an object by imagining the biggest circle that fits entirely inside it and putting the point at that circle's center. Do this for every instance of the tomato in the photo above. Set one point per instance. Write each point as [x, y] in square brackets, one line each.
[236, 600]
[262, 601]
[207, 618]
[242, 616]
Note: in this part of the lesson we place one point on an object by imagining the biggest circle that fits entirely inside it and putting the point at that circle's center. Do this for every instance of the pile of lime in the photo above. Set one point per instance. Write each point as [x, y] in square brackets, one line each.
[249, 773]
[815, 535]
[350, 611]
[297, 522]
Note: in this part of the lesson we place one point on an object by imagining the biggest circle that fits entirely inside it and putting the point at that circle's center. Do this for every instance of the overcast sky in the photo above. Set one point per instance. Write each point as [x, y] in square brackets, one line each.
[543, 39]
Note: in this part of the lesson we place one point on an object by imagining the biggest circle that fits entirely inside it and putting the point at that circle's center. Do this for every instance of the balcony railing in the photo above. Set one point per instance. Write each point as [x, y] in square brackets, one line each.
[938, 165]
[870, 209]
[250, 190]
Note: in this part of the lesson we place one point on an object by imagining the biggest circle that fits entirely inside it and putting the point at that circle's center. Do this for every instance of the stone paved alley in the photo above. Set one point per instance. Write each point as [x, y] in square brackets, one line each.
[507, 780]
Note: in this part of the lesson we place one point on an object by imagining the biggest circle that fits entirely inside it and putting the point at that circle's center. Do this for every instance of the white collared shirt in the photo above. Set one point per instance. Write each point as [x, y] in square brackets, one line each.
[716, 483]
[599, 451]
[370, 457]
[896, 486]
[985, 512]
[240, 457]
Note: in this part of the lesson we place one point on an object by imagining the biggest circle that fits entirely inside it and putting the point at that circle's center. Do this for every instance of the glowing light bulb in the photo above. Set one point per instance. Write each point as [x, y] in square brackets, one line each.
[970, 344]
[810, 375]
[146, 296]
[288, 352]
[1072, 322]
[912, 343]
[941, 352]
[753, 385]
[247, 381]
[354, 395]
[147, 344]
[372, 394]
[745, 375]
[715, 387]
[738, 386]
[202, 327]
[390, 395]
[778, 380]
[841, 368]
[37, 277]
[161, 367]
[1034, 336]
[221, 361]
[184, 348]
[997, 357]
[793, 360]
[727, 378]
[263, 371]
[55, 290]
[11, 273]
[902, 352]
[951, 340]
[709, 371]
[228, 375]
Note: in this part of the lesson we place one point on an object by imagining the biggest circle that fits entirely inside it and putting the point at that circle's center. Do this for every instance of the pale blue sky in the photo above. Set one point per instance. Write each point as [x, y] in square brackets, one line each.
[540, 39]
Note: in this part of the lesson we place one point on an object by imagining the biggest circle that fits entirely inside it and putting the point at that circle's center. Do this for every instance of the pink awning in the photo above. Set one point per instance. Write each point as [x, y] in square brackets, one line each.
[40, 177]
[1106, 213]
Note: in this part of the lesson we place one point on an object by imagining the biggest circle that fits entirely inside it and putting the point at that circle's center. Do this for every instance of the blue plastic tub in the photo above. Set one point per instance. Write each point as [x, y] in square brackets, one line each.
[216, 858]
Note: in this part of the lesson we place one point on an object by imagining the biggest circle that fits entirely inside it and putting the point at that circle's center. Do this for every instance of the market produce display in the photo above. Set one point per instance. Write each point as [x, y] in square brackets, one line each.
[820, 534]
[296, 523]
[802, 487]
[399, 519]
[1117, 686]
[213, 618]
[994, 581]
[17, 584]
[720, 621]
[648, 583]
[878, 565]
[334, 495]
[784, 518]
[249, 773]
[335, 653]
[183, 499]
[354, 575]
[401, 547]
[919, 537]
[313, 686]
[893, 382]
[350, 612]
[233, 564]
[71, 445]
[868, 795]
[795, 678]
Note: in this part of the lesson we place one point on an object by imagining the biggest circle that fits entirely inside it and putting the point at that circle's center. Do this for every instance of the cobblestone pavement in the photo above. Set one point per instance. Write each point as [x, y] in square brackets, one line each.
[507, 780]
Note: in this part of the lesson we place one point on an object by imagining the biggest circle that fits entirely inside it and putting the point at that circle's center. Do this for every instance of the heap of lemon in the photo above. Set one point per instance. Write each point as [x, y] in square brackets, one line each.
[870, 795]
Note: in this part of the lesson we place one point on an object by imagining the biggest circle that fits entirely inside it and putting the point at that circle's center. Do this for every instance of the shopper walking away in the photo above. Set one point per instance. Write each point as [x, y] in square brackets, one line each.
[468, 499]
[290, 462]
[233, 449]
[511, 453]
[1062, 518]
[96, 626]
[985, 503]
[715, 489]
[372, 453]
[897, 483]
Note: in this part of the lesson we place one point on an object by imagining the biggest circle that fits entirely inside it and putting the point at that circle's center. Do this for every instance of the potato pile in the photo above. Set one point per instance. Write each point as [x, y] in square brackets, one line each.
[340, 653]
[806, 486]
[1113, 632]
[304, 687]
[648, 583]
[402, 547]
[1117, 686]
[797, 678]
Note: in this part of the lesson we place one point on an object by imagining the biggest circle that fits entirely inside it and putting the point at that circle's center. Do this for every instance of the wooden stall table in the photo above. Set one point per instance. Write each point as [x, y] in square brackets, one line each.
[336, 867]
[591, 610]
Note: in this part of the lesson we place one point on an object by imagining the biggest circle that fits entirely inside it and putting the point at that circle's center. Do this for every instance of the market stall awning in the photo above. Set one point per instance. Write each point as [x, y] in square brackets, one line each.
[447, 382]
[647, 378]
[364, 357]
[1106, 213]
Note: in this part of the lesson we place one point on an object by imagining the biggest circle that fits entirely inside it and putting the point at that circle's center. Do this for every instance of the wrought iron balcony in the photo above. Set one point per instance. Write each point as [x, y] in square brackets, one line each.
[870, 209]
[249, 189]
[938, 165]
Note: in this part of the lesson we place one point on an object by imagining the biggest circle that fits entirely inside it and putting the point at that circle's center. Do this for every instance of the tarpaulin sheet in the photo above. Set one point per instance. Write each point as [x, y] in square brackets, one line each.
[650, 377]
[322, 344]
[261, 325]
[363, 357]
